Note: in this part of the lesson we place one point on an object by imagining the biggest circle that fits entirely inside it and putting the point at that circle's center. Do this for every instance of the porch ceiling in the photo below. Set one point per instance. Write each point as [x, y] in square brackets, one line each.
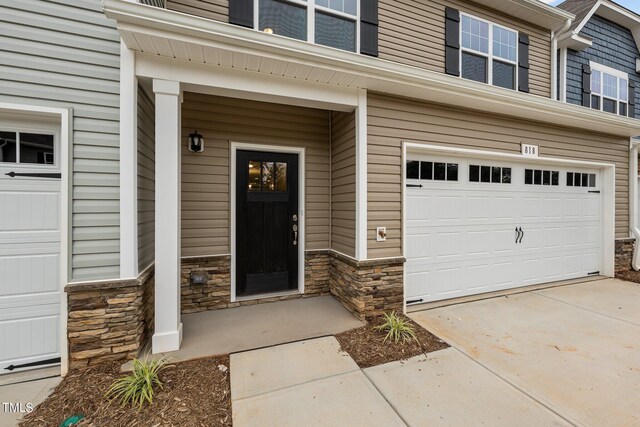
[191, 43]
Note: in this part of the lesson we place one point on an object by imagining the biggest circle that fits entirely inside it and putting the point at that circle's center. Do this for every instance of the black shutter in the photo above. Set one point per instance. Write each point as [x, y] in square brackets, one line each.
[586, 85]
[632, 99]
[452, 41]
[523, 62]
[369, 27]
[241, 12]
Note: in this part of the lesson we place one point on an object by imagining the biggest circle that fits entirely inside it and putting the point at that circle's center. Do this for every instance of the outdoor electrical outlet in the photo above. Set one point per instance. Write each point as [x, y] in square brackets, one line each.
[381, 234]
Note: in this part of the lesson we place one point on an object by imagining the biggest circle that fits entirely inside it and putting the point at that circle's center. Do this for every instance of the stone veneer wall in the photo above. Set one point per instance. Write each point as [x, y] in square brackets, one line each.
[367, 288]
[216, 293]
[109, 321]
[624, 254]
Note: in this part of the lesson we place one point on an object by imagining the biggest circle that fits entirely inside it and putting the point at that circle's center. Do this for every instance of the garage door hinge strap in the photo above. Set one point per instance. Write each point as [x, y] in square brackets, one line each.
[35, 175]
[594, 192]
[414, 185]
[32, 364]
[415, 301]
[595, 273]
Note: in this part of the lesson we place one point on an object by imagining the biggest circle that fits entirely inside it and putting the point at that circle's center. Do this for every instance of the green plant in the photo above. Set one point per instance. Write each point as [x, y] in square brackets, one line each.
[136, 389]
[398, 328]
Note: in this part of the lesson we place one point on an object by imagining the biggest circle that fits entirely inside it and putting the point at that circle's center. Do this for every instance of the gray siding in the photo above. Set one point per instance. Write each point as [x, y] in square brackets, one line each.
[613, 46]
[65, 53]
[146, 179]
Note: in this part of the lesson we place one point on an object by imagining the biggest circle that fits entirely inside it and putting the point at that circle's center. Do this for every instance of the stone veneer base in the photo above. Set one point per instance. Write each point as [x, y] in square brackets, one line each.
[624, 254]
[109, 321]
[367, 288]
[216, 292]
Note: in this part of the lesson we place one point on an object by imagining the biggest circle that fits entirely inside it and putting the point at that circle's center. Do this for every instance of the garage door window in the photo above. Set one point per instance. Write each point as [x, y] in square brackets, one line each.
[27, 148]
[492, 174]
[577, 179]
[541, 177]
[432, 171]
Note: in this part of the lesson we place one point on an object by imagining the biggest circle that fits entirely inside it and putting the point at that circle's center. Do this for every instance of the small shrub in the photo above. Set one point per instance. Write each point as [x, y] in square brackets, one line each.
[398, 328]
[136, 389]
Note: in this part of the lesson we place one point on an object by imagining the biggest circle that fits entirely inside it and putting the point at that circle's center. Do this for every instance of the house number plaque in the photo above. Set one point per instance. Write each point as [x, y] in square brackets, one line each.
[530, 150]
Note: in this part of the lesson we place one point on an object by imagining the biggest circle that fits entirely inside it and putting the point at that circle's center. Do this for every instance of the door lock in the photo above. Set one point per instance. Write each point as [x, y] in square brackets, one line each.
[295, 234]
[295, 218]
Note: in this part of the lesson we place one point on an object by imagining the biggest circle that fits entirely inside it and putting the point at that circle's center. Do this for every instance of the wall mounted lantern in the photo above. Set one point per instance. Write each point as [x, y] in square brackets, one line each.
[196, 142]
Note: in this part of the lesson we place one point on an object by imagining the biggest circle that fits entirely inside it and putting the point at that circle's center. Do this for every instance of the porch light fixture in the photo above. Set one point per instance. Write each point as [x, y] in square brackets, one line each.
[196, 142]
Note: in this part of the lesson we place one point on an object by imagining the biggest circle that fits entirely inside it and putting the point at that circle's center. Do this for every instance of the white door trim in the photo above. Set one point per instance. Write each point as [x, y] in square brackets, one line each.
[608, 198]
[300, 151]
[65, 117]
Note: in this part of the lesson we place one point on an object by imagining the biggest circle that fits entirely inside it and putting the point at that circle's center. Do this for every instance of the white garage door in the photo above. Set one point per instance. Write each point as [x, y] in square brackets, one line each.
[475, 226]
[29, 251]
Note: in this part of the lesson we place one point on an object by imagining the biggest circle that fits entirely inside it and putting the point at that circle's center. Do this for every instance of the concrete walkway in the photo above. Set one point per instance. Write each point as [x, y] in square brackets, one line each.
[248, 327]
[33, 392]
[574, 349]
[313, 383]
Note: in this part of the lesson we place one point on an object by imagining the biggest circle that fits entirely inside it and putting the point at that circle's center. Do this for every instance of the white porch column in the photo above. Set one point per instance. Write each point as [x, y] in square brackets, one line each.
[361, 176]
[128, 164]
[168, 328]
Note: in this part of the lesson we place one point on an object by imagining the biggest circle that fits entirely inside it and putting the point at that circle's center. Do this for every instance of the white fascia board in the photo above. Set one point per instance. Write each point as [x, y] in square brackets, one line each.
[374, 73]
[574, 41]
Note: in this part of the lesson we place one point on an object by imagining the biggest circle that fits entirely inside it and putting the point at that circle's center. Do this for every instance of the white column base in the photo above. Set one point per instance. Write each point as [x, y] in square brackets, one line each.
[166, 341]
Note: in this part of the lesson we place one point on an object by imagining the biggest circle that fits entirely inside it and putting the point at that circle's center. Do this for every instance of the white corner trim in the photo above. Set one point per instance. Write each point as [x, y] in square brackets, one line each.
[128, 163]
[301, 152]
[634, 148]
[361, 176]
[65, 117]
[608, 171]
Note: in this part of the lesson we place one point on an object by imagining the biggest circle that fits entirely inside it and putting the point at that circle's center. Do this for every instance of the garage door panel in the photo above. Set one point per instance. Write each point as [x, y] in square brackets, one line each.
[29, 268]
[461, 236]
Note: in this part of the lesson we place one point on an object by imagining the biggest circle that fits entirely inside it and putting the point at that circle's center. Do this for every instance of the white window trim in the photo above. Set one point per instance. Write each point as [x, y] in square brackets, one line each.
[311, 8]
[613, 72]
[490, 56]
[40, 131]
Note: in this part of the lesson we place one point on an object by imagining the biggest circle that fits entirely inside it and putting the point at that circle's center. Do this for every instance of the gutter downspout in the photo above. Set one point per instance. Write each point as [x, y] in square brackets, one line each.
[634, 147]
[554, 58]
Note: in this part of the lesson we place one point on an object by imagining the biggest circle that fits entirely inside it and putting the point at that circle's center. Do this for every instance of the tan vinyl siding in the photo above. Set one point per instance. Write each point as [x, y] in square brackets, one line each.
[412, 33]
[217, 10]
[146, 179]
[206, 176]
[343, 183]
[393, 120]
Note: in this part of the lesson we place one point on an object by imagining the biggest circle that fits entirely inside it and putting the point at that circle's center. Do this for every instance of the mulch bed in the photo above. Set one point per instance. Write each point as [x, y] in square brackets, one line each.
[630, 276]
[367, 346]
[195, 393]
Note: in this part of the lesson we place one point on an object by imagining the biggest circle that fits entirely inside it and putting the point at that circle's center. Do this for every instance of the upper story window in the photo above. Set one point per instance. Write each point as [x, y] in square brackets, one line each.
[609, 89]
[332, 23]
[489, 52]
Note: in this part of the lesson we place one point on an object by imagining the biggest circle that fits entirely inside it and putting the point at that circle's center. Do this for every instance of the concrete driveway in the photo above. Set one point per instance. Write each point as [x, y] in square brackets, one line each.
[573, 349]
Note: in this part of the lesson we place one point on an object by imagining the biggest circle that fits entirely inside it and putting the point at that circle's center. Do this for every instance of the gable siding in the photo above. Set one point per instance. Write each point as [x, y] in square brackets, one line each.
[218, 10]
[412, 33]
[65, 53]
[146, 178]
[613, 46]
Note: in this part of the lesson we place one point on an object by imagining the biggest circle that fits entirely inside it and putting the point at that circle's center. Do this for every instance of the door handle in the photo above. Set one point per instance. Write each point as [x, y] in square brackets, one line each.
[295, 234]
[517, 235]
[521, 235]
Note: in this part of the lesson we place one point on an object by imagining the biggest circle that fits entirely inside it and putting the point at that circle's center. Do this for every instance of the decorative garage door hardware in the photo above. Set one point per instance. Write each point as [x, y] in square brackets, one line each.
[414, 301]
[32, 364]
[594, 191]
[414, 185]
[35, 175]
[519, 234]
[595, 273]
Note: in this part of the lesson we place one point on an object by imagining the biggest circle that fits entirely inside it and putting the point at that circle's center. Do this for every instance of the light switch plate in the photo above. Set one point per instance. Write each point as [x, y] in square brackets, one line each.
[381, 234]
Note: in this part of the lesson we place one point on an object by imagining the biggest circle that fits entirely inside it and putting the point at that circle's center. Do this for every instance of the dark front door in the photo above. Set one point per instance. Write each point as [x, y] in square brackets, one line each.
[266, 222]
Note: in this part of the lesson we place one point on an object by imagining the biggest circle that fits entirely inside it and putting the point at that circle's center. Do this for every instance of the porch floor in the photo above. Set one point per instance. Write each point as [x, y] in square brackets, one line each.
[250, 327]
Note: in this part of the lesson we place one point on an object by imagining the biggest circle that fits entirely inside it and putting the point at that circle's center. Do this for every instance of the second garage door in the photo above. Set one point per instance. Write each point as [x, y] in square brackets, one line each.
[477, 225]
